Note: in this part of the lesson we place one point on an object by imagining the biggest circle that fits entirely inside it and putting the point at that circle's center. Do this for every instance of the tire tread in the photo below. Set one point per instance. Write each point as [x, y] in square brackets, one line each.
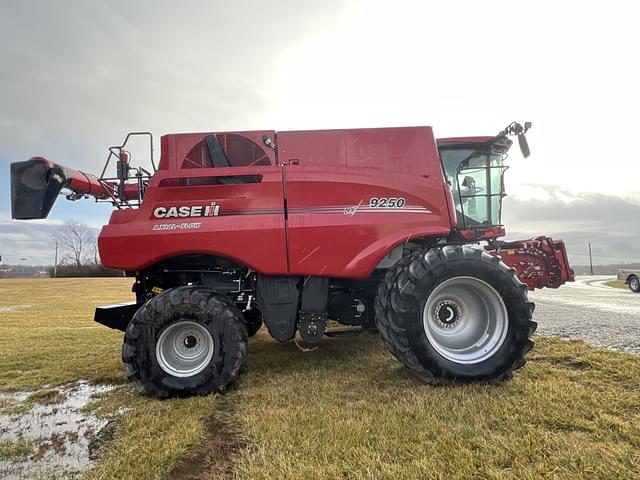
[403, 281]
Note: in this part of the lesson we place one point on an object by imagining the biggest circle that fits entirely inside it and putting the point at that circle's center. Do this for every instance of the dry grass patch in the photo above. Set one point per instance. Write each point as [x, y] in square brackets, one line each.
[11, 450]
[350, 411]
[49, 336]
[347, 410]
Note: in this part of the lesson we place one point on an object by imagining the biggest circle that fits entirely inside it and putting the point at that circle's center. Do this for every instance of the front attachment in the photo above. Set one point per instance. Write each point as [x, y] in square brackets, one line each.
[539, 262]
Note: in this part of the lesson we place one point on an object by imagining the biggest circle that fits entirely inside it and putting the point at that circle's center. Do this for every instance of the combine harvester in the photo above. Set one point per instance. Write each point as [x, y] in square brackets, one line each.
[377, 229]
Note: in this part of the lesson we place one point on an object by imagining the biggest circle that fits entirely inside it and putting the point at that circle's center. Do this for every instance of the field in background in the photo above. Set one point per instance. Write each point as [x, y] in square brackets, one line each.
[347, 410]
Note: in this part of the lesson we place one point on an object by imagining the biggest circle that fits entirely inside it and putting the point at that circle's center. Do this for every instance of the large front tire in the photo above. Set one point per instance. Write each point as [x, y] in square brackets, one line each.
[185, 341]
[634, 284]
[454, 315]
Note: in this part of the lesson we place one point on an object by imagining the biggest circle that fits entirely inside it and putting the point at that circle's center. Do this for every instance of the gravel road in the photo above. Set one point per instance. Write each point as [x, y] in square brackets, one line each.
[590, 310]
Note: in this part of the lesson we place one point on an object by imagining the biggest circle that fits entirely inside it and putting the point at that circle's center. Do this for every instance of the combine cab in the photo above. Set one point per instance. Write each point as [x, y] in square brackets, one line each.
[376, 229]
[474, 168]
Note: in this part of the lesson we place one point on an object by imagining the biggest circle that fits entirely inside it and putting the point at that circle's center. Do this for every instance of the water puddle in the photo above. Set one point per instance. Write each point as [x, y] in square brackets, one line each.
[53, 438]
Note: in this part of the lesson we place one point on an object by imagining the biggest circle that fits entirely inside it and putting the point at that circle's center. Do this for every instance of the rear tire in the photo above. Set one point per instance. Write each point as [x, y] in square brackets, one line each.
[634, 284]
[454, 315]
[184, 341]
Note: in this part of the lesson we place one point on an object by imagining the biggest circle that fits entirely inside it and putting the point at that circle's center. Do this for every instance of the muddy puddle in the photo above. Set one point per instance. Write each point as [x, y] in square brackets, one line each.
[45, 435]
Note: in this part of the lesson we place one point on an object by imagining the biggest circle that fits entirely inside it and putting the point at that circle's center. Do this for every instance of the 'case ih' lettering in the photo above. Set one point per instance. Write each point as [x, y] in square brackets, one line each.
[183, 211]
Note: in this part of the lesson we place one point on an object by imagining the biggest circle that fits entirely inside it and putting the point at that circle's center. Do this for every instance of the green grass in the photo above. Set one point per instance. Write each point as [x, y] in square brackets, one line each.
[50, 338]
[617, 284]
[347, 410]
[14, 450]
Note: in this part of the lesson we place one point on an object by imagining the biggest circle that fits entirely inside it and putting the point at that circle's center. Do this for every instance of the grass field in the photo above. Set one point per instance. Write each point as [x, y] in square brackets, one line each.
[617, 284]
[347, 410]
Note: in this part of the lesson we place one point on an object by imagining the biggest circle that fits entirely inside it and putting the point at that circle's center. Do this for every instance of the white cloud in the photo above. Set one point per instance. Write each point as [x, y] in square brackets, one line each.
[79, 75]
[610, 223]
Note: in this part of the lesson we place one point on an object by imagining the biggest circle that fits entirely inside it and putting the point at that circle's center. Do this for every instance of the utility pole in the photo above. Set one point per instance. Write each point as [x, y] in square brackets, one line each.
[590, 259]
[55, 264]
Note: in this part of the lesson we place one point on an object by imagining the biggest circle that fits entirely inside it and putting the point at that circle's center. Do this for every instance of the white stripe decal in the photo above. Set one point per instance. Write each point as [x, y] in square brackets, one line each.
[352, 209]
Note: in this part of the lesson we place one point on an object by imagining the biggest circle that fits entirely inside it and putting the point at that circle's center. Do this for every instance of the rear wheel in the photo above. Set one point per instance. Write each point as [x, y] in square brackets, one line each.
[185, 341]
[455, 314]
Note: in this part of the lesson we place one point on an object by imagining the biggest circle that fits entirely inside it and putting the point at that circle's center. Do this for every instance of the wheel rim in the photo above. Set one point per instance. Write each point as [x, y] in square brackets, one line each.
[465, 320]
[634, 283]
[184, 349]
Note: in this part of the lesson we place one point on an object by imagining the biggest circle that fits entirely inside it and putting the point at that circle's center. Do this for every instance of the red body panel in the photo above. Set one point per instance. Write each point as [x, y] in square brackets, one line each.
[328, 179]
[464, 140]
[331, 177]
[254, 235]
[333, 231]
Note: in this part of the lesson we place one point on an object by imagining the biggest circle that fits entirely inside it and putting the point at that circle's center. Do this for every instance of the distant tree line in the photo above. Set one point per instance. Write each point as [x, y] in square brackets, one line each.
[76, 255]
[8, 270]
[24, 271]
[78, 248]
[610, 269]
[84, 271]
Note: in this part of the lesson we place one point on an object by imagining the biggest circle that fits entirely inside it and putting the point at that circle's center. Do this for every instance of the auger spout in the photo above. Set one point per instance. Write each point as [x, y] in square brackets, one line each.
[36, 183]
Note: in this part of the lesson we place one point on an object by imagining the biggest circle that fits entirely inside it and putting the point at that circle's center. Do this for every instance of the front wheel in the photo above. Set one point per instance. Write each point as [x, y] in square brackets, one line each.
[634, 284]
[455, 314]
[185, 341]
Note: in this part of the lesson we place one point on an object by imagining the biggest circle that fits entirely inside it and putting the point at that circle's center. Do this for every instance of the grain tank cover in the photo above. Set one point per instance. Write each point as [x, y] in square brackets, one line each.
[410, 150]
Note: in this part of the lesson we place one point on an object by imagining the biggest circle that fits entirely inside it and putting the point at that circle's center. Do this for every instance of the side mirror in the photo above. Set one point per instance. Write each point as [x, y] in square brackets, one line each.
[524, 145]
[514, 128]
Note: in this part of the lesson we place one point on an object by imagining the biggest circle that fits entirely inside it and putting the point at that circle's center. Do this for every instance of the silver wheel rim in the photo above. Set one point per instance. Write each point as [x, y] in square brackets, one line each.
[184, 349]
[634, 283]
[465, 320]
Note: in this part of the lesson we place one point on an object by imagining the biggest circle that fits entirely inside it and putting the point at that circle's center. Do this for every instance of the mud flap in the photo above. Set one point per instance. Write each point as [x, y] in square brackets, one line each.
[277, 299]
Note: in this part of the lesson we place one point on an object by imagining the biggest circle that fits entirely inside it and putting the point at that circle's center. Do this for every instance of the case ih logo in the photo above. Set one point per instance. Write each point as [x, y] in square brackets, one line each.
[184, 211]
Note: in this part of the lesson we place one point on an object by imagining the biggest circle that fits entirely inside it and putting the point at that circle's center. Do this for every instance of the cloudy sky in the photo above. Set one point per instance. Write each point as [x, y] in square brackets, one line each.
[76, 76]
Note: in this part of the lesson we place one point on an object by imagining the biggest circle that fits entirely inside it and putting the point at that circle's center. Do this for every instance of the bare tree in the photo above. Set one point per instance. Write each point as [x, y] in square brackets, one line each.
[76, 241]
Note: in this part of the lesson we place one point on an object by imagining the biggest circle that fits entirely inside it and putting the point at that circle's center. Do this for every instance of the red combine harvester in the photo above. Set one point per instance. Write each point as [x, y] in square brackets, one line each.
[377, 229]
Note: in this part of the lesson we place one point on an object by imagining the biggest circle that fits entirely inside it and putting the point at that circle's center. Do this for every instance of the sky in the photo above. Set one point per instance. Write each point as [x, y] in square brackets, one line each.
[77, 76]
